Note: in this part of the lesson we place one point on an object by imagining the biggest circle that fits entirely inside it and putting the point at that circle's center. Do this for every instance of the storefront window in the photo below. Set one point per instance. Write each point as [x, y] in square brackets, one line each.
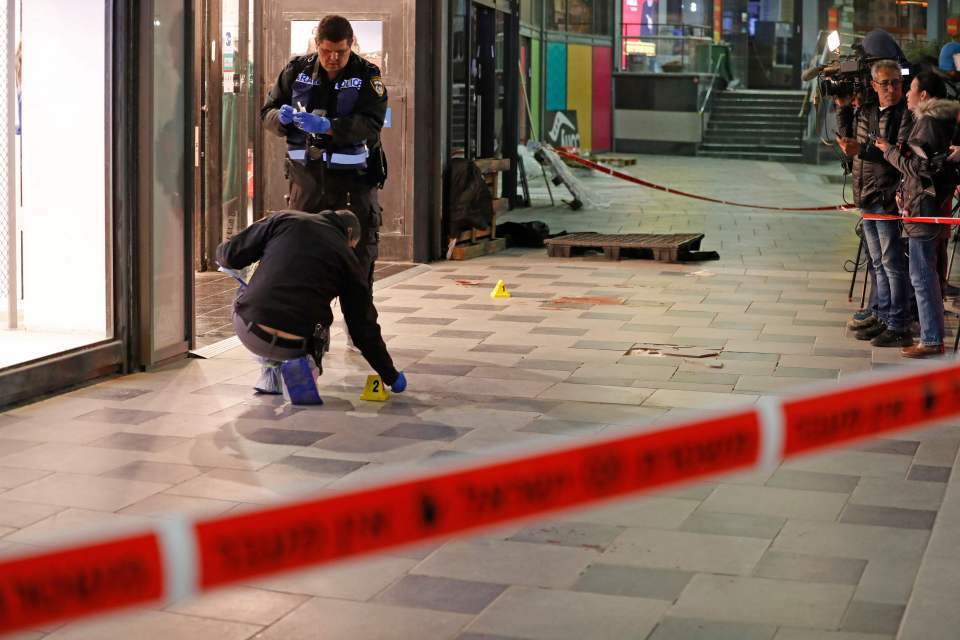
[460, 76]
[906, 20]
[589, 16]
[556, 14]
[531, 12]
[666, 36]
[580, 16]
[55, 291]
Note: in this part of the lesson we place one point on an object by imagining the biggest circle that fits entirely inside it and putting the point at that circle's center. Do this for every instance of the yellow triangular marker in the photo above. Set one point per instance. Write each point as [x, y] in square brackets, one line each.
[375, 390]
[500, 291]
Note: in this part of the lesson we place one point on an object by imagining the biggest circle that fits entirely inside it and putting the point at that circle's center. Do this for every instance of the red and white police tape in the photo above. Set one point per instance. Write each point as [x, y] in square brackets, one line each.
[925, 220]
[177, 558]
[564, 153]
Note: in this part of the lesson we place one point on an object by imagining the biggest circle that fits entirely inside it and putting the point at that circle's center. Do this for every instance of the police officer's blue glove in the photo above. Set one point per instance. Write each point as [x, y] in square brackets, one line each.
[286, 114]
[311, 122]
[399, 384]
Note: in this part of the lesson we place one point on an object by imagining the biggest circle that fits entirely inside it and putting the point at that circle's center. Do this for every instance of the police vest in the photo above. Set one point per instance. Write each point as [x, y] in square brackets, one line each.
[337, 157]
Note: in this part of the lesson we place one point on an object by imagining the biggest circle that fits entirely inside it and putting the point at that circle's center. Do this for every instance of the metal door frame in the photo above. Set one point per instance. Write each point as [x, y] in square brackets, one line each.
[146, 355]
[211, 96]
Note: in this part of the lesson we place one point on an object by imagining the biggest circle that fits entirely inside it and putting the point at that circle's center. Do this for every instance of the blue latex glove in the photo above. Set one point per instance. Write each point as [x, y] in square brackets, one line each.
[236, 275]
[311, 122]
[399, 384]
[286, 114]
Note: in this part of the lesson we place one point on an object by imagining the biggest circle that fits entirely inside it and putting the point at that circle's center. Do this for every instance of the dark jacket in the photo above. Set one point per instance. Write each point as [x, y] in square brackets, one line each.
[925, 190]
[367, 109]
[305, 262]
[875, 180]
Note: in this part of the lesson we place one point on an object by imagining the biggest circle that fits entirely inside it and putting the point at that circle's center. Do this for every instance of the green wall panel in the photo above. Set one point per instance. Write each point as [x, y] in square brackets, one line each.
[556, 98]
[536, 76]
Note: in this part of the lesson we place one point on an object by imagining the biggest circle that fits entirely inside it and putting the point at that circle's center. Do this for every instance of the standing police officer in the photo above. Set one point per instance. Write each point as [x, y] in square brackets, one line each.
[330, 107]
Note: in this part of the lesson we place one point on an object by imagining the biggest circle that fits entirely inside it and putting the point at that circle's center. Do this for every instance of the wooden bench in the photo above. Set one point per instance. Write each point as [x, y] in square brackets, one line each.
[663, 247]
[477, 242]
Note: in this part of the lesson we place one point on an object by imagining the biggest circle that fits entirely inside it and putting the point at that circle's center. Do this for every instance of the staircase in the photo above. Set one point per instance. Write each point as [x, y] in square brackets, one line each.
[756, 125]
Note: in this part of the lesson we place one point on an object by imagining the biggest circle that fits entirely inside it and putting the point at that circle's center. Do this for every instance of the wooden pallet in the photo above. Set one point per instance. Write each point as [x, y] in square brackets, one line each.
[665, 247]
[614, 159]
[479, 248]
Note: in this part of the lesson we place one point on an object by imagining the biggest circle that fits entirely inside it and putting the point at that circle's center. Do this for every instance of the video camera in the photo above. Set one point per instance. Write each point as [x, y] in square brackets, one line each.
[849, 75]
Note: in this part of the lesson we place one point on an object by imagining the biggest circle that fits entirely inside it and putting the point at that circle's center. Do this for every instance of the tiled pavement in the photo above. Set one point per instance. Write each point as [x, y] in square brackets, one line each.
[848, 545]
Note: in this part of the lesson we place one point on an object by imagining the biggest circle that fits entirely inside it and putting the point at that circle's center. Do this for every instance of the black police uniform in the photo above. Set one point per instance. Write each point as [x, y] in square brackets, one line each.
[304, 263]
[344, 168]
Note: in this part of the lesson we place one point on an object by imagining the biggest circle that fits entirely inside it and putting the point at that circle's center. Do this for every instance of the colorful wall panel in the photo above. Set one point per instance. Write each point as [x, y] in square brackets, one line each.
[556, 98]
[602, 98]
[536, 76]
[580, 89]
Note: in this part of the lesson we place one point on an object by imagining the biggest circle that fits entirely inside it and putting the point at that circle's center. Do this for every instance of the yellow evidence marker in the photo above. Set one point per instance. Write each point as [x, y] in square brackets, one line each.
[375, 390]
[500, 291]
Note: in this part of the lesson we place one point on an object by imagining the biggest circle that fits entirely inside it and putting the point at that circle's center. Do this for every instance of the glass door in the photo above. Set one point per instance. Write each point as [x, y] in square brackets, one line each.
[225, 136]
[236, 143]
[165, 254]
[55, 223]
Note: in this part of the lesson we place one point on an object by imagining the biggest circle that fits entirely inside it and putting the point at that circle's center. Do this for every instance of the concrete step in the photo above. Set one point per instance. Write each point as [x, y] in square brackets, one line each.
[740, 147]
[740, 125]
[741, 97]
[759, 138]
[757, 106]
[750, 131]
[768, 157]
[786, 110]
[759, 119]
[735, 99]
[765, 93]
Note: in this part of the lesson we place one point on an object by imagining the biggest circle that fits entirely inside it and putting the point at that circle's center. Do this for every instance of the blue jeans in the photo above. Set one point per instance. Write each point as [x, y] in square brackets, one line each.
[885, 252]
[926, 284]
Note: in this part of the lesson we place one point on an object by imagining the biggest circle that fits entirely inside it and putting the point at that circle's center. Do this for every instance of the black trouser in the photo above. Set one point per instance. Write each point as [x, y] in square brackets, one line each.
[314, 188]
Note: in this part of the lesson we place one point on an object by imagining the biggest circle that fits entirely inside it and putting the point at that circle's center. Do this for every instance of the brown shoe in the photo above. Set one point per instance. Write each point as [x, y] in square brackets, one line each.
[922, 351]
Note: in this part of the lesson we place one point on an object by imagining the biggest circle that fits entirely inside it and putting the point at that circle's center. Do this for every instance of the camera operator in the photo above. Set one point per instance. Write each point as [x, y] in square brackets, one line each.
[885, 323]
[926, 189]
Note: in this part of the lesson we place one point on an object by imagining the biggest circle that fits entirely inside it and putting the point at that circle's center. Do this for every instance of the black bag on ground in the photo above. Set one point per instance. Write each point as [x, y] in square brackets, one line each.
[471, 205]
[524, 234]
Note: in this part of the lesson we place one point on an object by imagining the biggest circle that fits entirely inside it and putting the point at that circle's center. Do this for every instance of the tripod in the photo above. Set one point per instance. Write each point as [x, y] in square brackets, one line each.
[856, 270]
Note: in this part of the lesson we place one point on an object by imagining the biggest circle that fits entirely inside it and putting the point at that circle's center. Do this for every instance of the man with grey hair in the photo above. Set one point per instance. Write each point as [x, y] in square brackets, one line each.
[305, 261]
[885, 322]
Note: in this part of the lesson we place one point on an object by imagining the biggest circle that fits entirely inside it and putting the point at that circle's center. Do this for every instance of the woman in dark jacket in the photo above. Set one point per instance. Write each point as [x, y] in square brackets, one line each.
[924, 193]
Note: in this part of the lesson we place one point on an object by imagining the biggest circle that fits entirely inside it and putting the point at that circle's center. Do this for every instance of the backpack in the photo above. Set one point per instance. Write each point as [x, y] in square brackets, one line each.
[470, 205]
[524, 234]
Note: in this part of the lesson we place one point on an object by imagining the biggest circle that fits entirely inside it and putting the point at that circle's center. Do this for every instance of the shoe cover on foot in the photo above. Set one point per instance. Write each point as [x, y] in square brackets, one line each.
[300, 381]
[270, 381]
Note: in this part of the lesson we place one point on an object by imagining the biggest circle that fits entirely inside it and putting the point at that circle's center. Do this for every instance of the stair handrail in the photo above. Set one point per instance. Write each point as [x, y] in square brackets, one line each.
[706, 98]
[713, 82]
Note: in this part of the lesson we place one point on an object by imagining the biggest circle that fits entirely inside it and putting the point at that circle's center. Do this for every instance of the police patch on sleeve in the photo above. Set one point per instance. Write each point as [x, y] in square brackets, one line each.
[377, 84]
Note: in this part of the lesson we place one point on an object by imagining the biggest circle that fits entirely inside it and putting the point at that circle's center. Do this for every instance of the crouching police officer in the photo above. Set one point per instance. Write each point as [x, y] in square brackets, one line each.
[330, 106]
[305, 262]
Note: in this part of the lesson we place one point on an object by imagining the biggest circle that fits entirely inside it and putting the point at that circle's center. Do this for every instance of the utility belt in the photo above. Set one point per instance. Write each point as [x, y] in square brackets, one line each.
[363, 161]
[274, 340]
[354, 159]
[316, 345]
